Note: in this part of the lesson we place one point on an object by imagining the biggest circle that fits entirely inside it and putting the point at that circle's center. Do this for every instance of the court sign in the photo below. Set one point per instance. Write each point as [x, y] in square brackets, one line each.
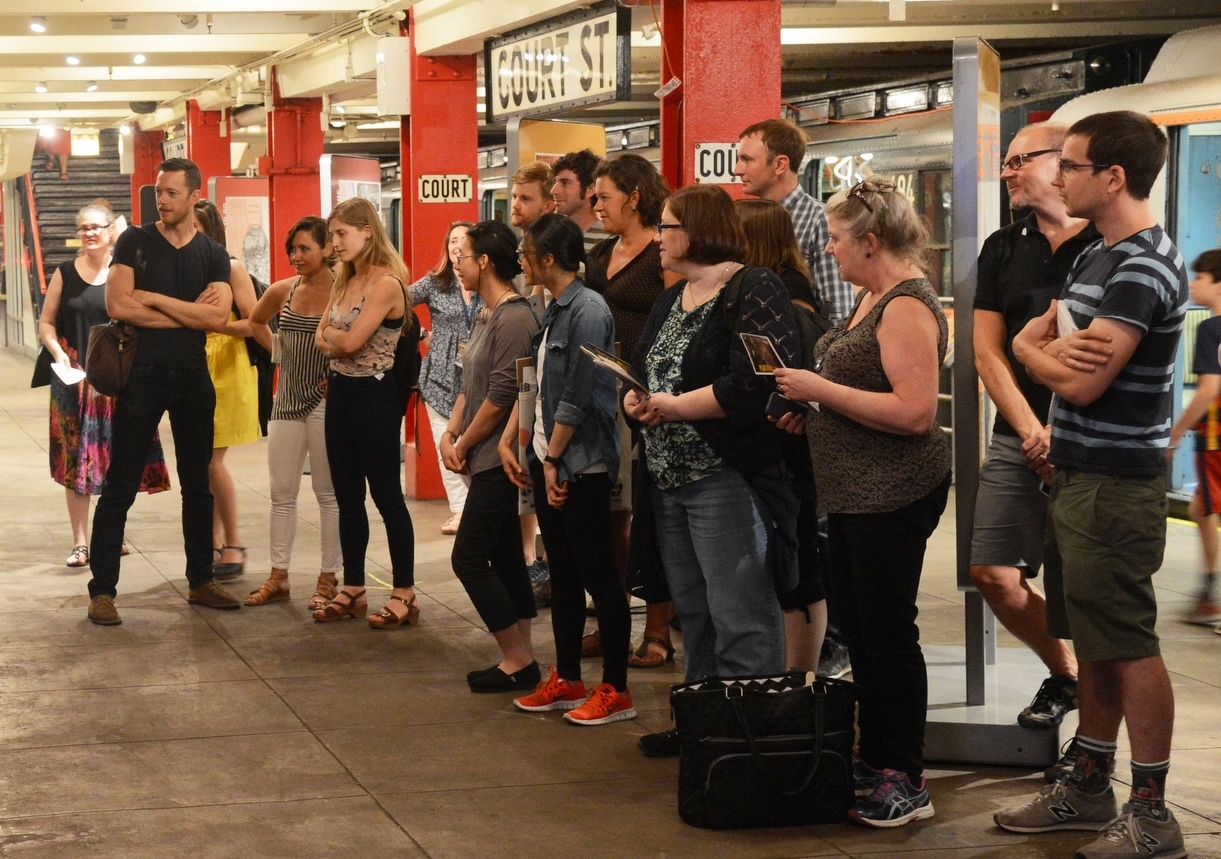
[577, 59]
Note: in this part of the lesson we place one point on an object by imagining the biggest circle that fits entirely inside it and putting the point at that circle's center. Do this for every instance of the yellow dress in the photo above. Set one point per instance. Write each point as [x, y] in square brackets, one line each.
[236, 419]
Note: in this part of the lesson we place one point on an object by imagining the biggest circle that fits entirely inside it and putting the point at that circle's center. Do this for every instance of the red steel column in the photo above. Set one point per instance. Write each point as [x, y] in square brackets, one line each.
[727, 54]
[146, 146]
[205, 144]
[440, 138]
[294, 149]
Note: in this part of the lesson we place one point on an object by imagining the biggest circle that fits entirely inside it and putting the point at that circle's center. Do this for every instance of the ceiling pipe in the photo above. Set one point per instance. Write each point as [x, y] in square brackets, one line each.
[392, 12]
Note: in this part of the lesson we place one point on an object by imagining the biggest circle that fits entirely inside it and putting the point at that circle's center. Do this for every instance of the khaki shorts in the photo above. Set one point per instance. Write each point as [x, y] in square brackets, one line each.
[1010, 510]
[1106, 537]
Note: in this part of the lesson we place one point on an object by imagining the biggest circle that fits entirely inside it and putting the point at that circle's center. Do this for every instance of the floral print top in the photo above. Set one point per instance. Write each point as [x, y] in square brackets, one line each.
[674, 451]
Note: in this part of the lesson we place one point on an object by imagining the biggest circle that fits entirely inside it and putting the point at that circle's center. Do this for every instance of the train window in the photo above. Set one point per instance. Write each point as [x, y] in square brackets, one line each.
[1199, 189]
[934, 203]
[393, 216]
[494, 205]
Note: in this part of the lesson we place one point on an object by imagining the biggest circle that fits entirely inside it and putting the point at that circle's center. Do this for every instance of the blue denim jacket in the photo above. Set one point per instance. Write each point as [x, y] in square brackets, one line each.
[575, 392]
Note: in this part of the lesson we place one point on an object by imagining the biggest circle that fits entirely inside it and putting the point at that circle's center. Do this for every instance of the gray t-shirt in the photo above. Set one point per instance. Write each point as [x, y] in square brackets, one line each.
[489, 371]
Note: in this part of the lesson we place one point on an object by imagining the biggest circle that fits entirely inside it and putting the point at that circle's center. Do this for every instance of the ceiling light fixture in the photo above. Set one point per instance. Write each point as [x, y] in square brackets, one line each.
[138, 59]
[339, 108]
[38, 24]
[41, 86]
[125, 129]
[92, 86]
[189, 21]
[72, 61]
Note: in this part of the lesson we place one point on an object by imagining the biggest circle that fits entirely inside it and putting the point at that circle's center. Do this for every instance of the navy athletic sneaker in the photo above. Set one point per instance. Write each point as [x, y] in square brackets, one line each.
[894, 802]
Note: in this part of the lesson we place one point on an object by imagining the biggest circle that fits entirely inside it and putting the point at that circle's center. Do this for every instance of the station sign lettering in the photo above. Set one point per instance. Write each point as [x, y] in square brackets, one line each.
[714, 163]
[445, 188]
[577, 59]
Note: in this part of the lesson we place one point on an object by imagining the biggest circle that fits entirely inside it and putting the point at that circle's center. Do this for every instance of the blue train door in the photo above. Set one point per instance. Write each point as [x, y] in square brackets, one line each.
[1198, 229]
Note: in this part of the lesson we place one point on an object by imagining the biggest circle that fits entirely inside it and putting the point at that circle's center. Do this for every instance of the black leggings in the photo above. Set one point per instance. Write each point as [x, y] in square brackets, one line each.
[363, 416]
[487, 556]
[581, 557]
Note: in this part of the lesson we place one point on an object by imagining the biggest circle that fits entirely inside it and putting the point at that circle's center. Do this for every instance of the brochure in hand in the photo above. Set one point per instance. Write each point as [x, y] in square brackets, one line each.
[762, 353]
[616, 365]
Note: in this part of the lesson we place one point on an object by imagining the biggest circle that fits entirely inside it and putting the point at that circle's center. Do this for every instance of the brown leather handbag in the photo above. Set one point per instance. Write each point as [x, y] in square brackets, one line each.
[112, 351]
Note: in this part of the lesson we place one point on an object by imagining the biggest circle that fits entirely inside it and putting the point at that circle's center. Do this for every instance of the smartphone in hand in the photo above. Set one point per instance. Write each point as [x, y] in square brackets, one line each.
[778, 406]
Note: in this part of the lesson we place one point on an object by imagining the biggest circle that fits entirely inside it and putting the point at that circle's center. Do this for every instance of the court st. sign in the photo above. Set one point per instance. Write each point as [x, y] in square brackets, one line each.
[574, 60]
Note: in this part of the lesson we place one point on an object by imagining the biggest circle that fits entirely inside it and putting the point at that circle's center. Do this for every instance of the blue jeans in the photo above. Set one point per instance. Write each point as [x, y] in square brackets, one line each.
[713, 545]
[363, 415]
[190, 399]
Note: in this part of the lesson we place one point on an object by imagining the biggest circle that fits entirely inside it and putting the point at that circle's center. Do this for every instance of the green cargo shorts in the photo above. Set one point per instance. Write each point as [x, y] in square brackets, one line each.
[1106, 537]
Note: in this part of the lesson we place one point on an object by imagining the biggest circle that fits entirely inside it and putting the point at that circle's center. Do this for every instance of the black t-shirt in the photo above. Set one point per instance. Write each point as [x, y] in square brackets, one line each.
[1018, 278]
[181, 273]
[1206, 363]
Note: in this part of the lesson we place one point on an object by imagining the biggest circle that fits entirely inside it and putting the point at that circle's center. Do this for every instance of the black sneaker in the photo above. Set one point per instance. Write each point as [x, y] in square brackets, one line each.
[663, 744]
[1062, 768]
[833, 660]
[540, 583]
[1055, 698]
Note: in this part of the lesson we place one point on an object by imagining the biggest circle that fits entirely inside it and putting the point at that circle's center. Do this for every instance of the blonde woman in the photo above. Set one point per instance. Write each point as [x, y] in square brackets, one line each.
[359, 330]
[883, 476]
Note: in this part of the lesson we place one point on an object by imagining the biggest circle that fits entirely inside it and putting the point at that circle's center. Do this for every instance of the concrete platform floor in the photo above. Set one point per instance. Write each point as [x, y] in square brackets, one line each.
[260, 733]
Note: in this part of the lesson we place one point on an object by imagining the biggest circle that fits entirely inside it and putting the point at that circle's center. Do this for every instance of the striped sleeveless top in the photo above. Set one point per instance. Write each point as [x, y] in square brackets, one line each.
[302, 382]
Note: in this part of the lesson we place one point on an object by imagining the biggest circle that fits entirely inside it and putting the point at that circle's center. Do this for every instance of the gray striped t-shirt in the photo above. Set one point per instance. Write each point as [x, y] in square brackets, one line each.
[1140, 281]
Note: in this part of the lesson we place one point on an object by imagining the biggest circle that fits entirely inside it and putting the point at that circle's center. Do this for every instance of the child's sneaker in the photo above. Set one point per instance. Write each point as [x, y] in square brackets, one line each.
[554, 693]
[605, 705]
[896, 801]
[1204, 613]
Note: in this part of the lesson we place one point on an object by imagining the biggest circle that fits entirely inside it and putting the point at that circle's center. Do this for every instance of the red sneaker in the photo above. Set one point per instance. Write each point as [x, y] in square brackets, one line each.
[606, 704]
[554, 693]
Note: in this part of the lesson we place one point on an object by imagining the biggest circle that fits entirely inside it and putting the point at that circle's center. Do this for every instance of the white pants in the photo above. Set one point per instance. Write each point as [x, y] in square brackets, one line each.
[455, 484]
[287, 444]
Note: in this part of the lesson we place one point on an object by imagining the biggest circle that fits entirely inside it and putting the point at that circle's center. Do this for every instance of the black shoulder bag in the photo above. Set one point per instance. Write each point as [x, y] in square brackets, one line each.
[112, 347]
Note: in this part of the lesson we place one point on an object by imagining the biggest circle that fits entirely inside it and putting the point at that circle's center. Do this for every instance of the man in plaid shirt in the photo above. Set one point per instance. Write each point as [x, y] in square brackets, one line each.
[769, 155]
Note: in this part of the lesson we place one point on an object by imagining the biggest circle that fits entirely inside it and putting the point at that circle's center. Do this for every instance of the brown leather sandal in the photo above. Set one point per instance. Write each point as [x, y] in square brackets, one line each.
[385, 618]
[646, 658]
[591, 645]
[275, 589]
[328, 586]
[343, 605]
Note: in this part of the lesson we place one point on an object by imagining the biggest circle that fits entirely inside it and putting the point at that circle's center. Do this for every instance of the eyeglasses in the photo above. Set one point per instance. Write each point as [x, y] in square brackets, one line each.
[860, 189]
[461, 257]
[522, 253]
[661, 228]
[85, 229]
[1017, 162]
[1072, 167]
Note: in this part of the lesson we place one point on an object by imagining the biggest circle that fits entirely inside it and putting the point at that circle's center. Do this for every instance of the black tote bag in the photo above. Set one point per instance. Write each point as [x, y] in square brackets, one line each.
[764, 751]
